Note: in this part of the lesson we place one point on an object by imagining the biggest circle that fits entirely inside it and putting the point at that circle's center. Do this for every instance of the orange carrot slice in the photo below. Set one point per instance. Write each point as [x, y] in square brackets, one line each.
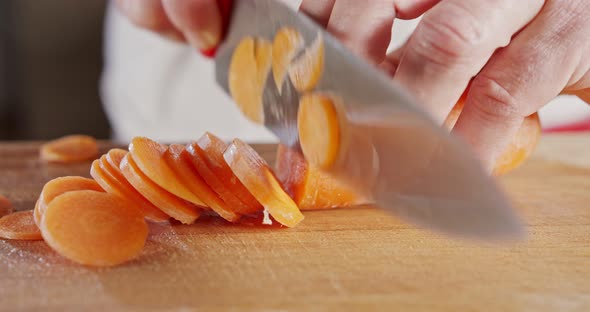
[5, 206]
[258, 178]
[216, 181]
[94, 228]
[522, 146]
[211, 150]
[286, 44]
[37, 214]
[306, 71]
[310, 187]
[174, 206]
[123, 189]
[113, 160]
[59, 186]
[19, 225]
[182, 166]
[149, 157]
[320, 148]
[69, 149]
[247, 74]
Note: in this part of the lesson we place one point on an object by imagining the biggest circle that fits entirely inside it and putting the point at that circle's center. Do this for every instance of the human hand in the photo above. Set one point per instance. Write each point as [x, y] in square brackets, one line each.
[516, 55]
[200, 23]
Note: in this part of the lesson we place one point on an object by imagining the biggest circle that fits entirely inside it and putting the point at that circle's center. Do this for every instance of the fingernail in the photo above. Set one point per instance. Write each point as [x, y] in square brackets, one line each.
[206, 40]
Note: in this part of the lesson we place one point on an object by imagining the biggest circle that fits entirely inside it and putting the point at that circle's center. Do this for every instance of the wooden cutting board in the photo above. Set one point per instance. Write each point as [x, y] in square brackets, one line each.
[348, 259]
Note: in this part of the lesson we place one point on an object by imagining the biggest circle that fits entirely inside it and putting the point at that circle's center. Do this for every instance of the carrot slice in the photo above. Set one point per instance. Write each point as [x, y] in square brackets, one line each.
[59, 186]
[149, 157]
[69, 149]
[211, 150]
[306, 71]
[198, 159]
[286, 44]
[113, 160]
[94, 228]
[123, 189]
[247, 74]
[522, 146]
[19, 225]
[181, 164]
[5, 206]
[320, 148]
[310, 187]
[174, 206]
[258, 178]
[37, 214]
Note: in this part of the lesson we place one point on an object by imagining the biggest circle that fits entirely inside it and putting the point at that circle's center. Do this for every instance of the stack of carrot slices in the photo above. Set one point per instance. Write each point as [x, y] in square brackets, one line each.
[103, 220]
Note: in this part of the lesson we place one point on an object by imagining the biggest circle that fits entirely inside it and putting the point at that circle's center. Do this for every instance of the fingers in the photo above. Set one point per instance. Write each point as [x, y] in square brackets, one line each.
[518, 80]
[198, 20]
[452, 43]
[149, 14]
[410, 9]
[319, 10]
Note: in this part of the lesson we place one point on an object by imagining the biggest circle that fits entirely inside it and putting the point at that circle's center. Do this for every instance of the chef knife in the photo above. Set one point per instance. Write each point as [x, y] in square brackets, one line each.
[408, 164]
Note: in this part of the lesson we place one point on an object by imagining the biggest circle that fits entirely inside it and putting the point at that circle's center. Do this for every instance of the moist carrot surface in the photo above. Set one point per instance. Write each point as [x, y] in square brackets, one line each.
[258, 178]
[19, 225]
[212, 149]
[149, 157]
[123, 189]
[186, 172]
[310, 187]
[36, 213]
[215, 181]
[5, 206]
[171, 204]
[61, 185]
[249, 68]
[94, 228]
[320, 148]
[68, 149]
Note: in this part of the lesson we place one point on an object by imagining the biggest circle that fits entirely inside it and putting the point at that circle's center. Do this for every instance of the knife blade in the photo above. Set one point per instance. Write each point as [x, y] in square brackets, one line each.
[411, 167]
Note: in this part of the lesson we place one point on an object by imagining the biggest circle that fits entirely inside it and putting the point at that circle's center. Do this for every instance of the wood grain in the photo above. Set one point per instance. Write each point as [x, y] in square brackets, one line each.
[348, 259]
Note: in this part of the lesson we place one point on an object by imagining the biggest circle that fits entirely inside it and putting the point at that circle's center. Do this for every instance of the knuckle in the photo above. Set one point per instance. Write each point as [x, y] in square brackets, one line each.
[493, 100]
[450, 35]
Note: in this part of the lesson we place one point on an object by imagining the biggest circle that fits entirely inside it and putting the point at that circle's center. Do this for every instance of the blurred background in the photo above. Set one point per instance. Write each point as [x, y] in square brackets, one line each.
[50, 65]
[52, 59]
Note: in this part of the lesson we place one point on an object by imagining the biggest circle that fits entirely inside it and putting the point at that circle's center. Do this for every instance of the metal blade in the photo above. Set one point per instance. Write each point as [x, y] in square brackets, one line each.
[412, 167]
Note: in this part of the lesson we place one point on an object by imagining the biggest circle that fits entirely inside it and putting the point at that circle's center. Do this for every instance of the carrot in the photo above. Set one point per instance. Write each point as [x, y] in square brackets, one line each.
[306, 71]
[520, 148]
[37, 214]
[320, 148]
[258, 178]
[59, 186]
[212, 149]
[310, 187]
[215, 180]
[123, 189]
[94, 228]
[247, 74]
[149, 157]
[182, 166]
[69, 149]
[19, 225]
[285, 46]
[174, 206]
[5, 206]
